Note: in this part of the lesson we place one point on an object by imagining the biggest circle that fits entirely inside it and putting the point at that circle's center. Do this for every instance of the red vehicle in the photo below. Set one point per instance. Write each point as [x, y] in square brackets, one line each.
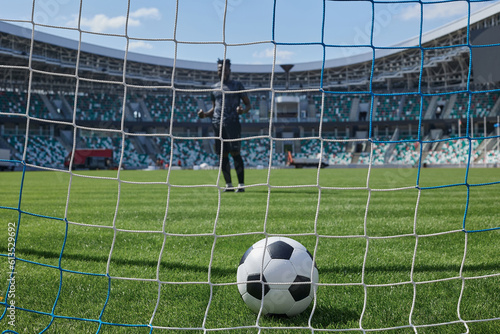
[91, 159]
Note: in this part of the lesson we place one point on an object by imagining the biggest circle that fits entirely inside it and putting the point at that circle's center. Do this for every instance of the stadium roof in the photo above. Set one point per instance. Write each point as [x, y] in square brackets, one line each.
[415, 41]
[242, 68]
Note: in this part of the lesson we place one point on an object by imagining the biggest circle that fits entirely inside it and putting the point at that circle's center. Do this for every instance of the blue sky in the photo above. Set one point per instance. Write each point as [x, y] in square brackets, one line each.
[200, 27]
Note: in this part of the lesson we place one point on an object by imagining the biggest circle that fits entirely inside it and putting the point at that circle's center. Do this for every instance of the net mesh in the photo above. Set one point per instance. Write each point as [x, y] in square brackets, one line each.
[143, 251]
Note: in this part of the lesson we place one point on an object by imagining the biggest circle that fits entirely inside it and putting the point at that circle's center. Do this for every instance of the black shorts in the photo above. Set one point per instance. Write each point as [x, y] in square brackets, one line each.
[229, 131]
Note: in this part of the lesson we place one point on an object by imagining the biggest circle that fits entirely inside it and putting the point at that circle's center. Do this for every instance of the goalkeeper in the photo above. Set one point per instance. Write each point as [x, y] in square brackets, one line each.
[228, 118]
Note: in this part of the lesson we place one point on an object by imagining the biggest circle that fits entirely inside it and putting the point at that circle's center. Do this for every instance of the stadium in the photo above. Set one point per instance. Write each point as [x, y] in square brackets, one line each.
[359, 110]
[113, 202]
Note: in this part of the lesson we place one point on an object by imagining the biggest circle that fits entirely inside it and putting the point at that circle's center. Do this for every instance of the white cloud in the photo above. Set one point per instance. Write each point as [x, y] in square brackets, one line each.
[435, 11]
[103, 23]
[281, 55]
[150, 13]
[139, 45]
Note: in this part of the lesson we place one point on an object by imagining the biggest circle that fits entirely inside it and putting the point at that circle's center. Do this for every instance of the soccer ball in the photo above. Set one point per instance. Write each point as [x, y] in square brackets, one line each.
[281, 270]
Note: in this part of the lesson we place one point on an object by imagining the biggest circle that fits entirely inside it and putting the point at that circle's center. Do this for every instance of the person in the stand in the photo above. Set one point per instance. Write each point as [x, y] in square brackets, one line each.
[225, 113]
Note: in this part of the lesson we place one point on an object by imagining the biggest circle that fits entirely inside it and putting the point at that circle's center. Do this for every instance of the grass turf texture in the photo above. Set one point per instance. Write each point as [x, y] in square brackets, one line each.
[207, 232]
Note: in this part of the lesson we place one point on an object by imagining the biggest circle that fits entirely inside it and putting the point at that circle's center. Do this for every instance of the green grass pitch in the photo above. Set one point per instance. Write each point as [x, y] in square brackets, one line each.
[382, 266]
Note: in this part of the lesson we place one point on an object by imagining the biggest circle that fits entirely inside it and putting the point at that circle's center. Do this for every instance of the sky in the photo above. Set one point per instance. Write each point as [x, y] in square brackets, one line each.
[243, 30]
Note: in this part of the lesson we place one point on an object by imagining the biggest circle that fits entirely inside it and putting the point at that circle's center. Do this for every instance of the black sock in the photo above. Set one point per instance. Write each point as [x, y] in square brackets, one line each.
[240, 168]
[226, 169]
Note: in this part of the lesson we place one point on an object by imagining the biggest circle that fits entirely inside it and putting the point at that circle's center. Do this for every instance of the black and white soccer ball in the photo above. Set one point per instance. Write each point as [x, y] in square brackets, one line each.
[280, 270]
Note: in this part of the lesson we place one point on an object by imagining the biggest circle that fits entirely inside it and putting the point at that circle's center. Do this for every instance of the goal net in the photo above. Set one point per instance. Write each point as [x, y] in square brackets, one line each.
[115, 216]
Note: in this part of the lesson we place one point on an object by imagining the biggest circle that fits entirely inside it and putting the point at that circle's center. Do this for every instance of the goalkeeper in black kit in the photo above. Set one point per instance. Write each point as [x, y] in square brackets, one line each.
[228, 97]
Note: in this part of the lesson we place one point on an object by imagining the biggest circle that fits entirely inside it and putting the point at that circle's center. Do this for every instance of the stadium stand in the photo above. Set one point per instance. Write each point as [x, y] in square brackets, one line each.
[398, 99]
[406, 153]
[159, 106]
[492, 157]
[336, 107]
[41, 150]
[453, 152]
[97, 107]
[255, 152]
[481, 105]
[412, 105]
[13, 102]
